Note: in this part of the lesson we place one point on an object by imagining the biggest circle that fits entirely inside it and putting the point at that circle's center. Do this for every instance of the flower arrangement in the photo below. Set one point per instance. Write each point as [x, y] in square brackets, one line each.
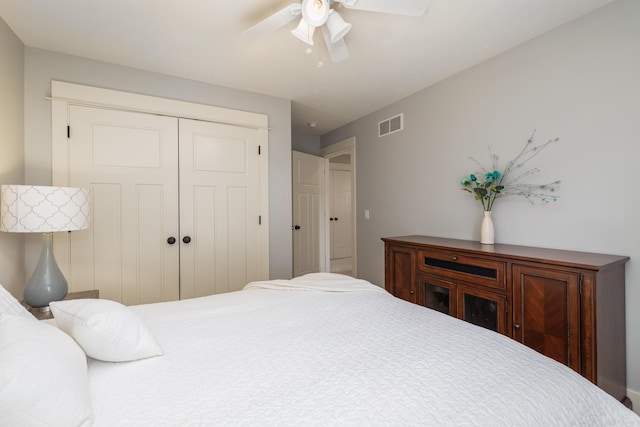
[490, 184]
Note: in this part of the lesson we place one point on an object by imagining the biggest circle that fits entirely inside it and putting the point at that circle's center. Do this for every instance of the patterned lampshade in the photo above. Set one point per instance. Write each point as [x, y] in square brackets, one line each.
[43, 209]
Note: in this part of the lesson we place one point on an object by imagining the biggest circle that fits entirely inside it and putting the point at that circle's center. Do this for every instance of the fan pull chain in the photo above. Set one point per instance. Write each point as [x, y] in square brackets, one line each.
[320, 63]
[308, 50]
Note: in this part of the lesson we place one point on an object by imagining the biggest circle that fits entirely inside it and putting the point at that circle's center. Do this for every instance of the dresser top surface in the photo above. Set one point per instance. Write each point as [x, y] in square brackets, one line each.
[588, 260]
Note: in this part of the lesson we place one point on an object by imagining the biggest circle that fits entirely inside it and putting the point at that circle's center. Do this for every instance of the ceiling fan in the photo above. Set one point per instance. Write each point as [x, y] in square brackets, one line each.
[320, 14]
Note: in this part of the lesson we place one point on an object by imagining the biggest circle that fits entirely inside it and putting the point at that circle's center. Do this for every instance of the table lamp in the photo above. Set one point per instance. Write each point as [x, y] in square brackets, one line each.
[44, 209]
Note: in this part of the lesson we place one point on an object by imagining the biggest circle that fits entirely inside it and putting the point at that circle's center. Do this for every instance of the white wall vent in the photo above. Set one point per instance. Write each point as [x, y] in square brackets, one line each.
[391, 125]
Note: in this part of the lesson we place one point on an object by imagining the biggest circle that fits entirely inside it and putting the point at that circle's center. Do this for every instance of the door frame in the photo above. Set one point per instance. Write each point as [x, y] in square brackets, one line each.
[63, 95]
[347, 146]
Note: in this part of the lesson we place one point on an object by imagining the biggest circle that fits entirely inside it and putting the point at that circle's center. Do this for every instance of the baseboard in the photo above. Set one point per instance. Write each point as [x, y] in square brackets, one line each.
[635, 399]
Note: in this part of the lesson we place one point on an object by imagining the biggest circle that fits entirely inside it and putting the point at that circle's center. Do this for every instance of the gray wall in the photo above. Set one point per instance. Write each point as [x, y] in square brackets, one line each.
[43, 66]
[11, 150]
[309, 144]
[580, 83]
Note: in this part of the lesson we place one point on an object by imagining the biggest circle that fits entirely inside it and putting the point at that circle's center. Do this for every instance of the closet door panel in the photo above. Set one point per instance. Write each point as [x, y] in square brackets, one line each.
[129, 161]
[150, 233]
[204, 246]
[97, 259]
[238, 244]
[219, 207]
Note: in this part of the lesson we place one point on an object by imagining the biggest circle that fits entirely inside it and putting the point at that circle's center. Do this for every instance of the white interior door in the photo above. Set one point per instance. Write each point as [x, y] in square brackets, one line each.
[340, 214]
[220, 211]
[308, 213]
[130, 163]
[341, 255]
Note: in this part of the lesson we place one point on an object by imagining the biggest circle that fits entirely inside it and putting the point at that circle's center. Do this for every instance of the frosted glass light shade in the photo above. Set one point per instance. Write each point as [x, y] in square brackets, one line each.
[315, 12]
[337, 26]
[43, 209]
[304, 32]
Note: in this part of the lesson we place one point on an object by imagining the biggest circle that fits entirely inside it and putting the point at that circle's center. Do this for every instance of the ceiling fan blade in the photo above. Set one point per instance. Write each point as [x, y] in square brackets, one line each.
[273, 22]
[396, 7]
[338, 50]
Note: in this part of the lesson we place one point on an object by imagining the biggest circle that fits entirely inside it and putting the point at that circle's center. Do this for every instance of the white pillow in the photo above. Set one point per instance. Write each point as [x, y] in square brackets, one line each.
[10, 305]
[43, 376]
[106, 330]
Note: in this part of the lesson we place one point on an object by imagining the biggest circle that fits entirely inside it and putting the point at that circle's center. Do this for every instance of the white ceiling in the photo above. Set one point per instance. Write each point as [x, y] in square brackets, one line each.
[391, 56]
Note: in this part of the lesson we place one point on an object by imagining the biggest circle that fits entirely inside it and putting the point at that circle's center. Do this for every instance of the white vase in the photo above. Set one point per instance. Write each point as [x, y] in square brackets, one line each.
[487, 233]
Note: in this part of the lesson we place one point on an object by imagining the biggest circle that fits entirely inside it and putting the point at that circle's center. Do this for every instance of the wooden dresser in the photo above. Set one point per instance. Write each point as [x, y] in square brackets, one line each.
[567, 305]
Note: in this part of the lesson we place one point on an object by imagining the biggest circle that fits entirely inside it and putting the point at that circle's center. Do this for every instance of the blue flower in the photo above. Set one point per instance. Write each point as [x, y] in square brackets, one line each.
[473, 177]
[496, 175]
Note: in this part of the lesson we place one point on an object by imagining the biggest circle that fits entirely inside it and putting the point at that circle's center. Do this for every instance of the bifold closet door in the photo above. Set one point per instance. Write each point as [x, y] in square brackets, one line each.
[219, 208]
[130, 162]
[175, 206]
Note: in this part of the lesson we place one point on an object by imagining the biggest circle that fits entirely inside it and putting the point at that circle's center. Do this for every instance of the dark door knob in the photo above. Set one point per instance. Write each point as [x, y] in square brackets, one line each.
[330, 219]
[296, 227]
[335, 219]
[171, 240]
[186, 239]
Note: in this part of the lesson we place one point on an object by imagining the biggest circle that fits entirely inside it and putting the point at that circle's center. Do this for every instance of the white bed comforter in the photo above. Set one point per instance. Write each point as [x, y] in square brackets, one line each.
[327, 350]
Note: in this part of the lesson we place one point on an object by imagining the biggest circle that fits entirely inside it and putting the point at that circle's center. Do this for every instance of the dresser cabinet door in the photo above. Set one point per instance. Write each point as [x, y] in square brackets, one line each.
[464, 301]
[482, 308]
[437, 294]
[400, 272]
[546, 312]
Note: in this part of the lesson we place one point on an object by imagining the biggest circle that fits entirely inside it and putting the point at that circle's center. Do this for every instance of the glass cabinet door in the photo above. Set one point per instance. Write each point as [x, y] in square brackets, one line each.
[438, 295]
[482, 308]
[477, 306]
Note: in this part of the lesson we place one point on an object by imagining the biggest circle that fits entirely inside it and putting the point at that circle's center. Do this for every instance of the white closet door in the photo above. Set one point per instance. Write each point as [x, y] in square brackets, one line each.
[130, 163]
[308, 213]
[219, 208]
[341, 210]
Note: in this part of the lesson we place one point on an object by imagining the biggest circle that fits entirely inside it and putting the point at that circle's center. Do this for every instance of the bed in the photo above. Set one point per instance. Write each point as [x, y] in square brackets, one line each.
[322, 349]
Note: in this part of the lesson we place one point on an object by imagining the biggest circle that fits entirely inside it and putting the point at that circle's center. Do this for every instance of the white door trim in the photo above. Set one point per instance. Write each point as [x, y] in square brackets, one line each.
[347, 146]
[339, 147]
[70, 93]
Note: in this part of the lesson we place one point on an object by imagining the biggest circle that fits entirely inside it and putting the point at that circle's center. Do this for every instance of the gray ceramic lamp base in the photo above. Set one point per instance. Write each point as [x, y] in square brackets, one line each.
[47, 283]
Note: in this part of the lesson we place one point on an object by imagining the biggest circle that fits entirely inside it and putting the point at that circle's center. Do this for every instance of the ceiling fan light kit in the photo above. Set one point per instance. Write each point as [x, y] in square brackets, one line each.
[318, 13]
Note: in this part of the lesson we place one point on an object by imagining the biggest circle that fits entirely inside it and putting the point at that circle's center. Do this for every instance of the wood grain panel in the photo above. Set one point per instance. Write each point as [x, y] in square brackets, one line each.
[400, 276]
[547, 312]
